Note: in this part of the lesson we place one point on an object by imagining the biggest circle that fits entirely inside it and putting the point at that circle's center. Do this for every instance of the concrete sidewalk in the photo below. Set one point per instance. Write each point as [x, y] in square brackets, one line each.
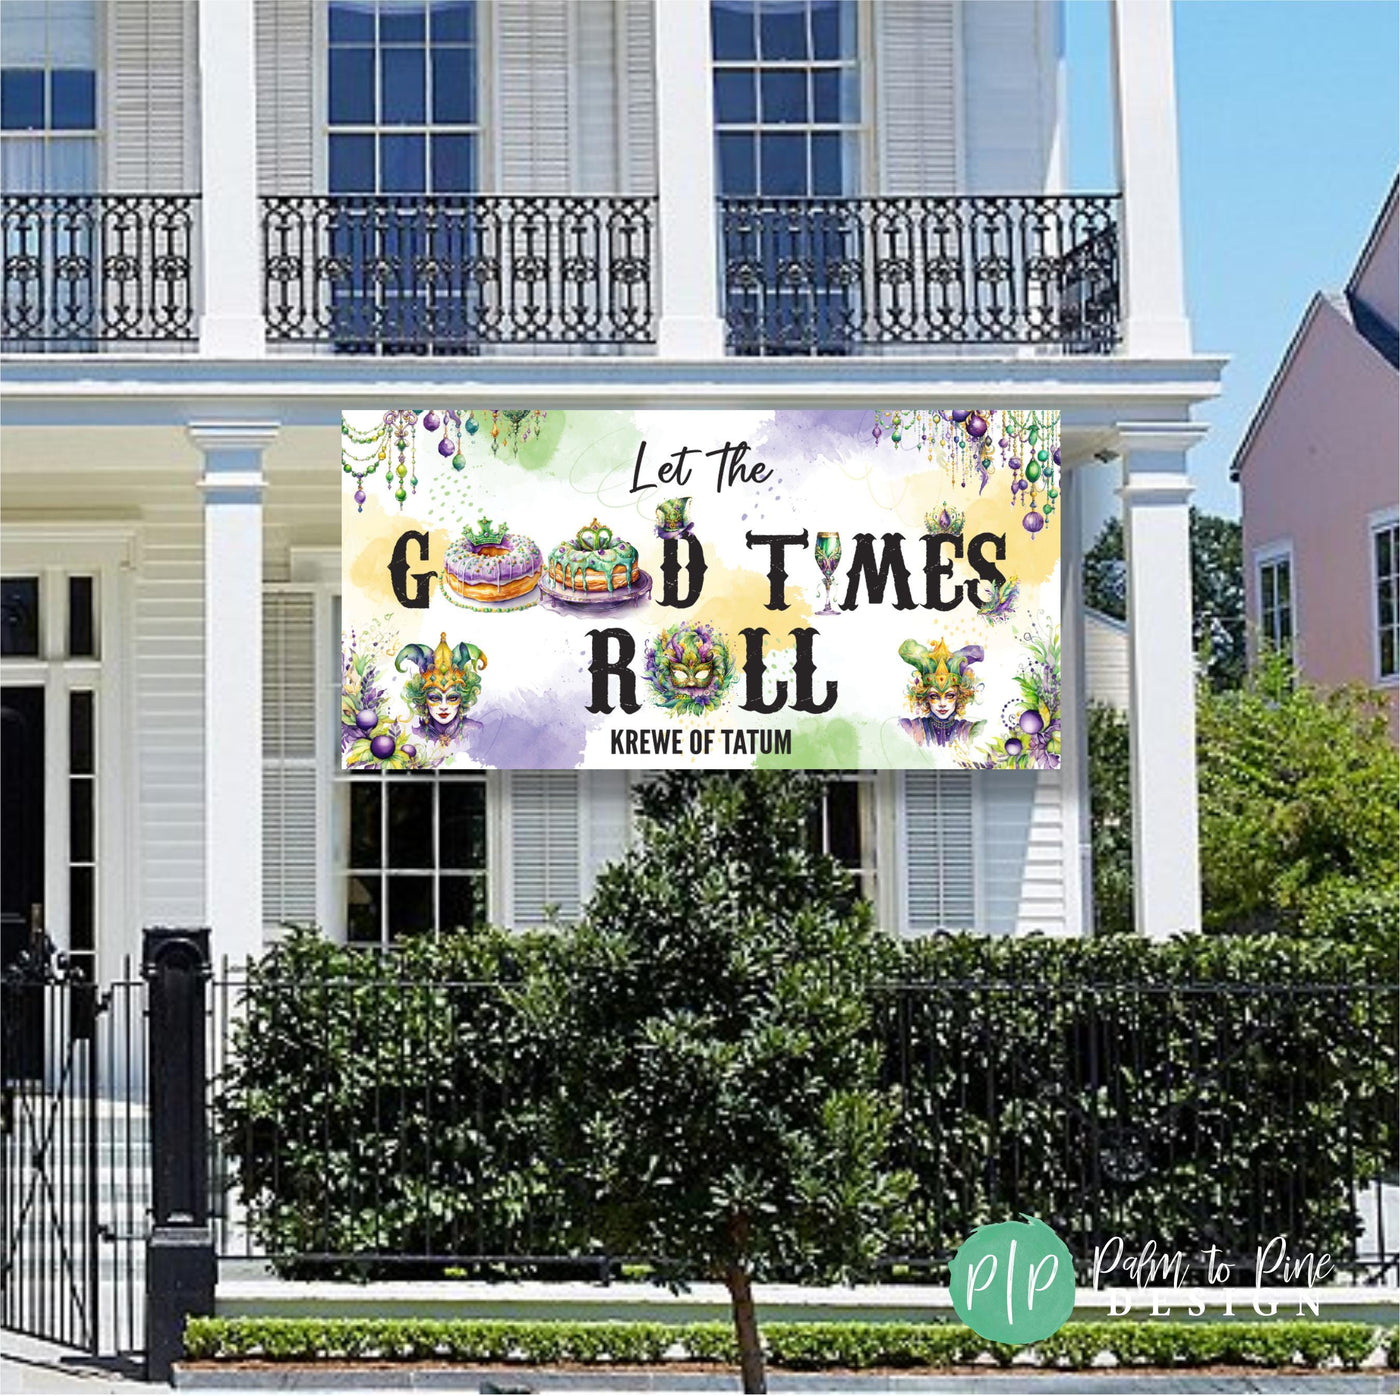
[28, 1365]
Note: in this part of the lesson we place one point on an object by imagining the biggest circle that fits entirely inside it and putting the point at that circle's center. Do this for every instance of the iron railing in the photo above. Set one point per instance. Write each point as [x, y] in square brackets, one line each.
[385, 1125]
[85, 270]
[854, 275]
[452, 274]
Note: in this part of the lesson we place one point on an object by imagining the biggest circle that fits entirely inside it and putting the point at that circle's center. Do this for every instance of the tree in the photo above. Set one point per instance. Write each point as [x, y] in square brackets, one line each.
[721, 1109]
[1217, 591]
[1299, 789]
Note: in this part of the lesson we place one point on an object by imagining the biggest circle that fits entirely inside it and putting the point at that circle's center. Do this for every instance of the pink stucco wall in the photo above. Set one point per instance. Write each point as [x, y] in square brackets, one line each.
[1324, 459]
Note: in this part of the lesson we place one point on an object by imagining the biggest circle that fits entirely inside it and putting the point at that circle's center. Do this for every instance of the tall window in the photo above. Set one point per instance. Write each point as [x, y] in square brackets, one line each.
[1276, 602]
[1385, 550]
[402, 97]
[48, 97]
[843, 825]
[787, 96]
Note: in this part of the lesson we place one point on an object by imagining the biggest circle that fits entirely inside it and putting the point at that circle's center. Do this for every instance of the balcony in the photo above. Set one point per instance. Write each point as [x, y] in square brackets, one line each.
[453, 275]
[571, 274]
[865, 275]
[83, 271]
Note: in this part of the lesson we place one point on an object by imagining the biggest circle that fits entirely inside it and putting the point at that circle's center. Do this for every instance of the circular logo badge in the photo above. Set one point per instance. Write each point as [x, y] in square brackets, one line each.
[1013, 1282]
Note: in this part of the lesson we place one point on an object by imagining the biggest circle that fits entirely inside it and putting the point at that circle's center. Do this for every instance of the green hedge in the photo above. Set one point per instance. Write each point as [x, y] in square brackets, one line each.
[809, 1346]
[1197, 1091]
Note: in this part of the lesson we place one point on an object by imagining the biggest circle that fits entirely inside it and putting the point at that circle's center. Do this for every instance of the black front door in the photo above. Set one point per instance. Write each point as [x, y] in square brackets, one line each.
[21, 867]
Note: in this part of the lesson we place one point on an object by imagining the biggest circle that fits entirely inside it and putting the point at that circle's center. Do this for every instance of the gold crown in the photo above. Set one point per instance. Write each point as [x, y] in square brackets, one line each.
[443, 672]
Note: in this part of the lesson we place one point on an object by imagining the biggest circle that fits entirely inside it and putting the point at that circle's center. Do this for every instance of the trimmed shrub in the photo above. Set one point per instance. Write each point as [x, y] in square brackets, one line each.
[813, 1346]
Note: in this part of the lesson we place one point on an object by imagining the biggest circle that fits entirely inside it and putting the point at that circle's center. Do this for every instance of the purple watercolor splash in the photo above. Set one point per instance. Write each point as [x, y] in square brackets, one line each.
[537, 733]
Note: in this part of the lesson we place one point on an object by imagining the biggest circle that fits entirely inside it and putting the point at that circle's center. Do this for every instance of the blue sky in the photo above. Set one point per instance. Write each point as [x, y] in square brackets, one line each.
[1288, 120]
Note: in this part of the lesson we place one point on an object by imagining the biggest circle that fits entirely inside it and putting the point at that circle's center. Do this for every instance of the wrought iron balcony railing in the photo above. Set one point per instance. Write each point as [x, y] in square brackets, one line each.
[451, 274]
[852, 275]
[85, 270]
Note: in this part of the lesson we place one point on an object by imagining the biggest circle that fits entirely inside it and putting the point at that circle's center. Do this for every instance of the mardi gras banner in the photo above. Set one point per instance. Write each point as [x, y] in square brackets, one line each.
[841, 589]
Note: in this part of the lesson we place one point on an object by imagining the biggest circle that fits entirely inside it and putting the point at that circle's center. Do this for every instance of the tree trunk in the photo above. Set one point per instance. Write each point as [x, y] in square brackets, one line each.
[736, 1277]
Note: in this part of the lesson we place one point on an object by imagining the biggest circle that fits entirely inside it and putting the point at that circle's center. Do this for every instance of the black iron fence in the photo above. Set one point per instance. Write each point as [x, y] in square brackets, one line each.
[849, 275]
[372, 1124]
[451, 274]
[85, 270]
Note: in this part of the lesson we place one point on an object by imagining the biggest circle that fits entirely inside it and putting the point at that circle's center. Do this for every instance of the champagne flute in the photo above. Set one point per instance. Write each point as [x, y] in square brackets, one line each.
[828, 554]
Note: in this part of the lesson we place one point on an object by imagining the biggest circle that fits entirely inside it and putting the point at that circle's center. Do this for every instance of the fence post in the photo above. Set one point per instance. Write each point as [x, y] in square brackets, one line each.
[180, 1262]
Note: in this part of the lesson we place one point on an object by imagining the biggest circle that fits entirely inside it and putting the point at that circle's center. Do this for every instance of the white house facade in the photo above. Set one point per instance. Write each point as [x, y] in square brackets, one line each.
[226, 221]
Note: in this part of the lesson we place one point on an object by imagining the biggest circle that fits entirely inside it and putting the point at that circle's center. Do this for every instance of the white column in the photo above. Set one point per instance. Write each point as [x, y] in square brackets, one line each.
[1162, 674]
[233, 487]
[231, 326]
[1144, 86]
[687, 216]
[1074, 745]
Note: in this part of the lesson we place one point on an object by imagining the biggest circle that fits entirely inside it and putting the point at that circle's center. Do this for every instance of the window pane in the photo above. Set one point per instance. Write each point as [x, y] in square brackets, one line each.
[783, 165]
[1385, 551]
[352, 21]
[828, 168]
[410, 906]
[833, 29]
[1285, 583]
[22, 40]
[401, 166]
[453, 21]
[1266, 590]
[363, 897]
[402, 24]
[732, 28]
[364, 823]
[72, 34]
[73, 100]
[80, 618]
[22, 99]
[80, 820]
[81, 921]
[454, 164]
[1386, 595]
[351, 81]
[402, 86]
[410, 824]
[1388, 669]
[734, 95]
[836, 95]
[843, 822]
[782, 29]
[352, 164]
[736, 164]
[462, 826]
[80, 732]
[784, 96]
[19, 615]
[454, 85]
[463, 902]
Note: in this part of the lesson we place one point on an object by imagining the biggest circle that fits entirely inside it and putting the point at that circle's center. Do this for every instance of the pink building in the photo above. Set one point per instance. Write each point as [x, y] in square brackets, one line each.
[1319, 476]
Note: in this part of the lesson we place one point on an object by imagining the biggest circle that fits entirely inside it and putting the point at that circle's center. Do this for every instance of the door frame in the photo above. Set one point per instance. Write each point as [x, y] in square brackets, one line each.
[105, 552]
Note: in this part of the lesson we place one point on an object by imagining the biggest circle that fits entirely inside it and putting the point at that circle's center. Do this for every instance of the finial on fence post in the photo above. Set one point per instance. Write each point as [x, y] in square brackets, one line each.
[180, 1262]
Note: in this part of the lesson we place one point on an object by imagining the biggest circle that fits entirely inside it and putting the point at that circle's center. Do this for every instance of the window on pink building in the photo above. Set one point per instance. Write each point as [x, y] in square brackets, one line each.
[1385, 543]
[1276, 603]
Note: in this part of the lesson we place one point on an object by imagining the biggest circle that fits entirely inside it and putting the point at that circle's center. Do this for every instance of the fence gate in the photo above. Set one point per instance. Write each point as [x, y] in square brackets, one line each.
[74, 1155]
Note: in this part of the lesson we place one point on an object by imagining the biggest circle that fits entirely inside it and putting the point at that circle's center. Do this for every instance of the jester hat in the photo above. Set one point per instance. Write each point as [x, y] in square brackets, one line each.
[444, 668]
[942, 671]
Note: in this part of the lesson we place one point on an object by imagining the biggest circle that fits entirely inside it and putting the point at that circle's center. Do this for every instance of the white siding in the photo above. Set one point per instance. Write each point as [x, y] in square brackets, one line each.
[916, 109]
[1106, 660]
[287, 63]
[152, 96]
[1010, 96]
[168, 659]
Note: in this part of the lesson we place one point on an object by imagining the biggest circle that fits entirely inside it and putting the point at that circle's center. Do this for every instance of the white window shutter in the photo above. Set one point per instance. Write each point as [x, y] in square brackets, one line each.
[940, 873]
[607, 800]
[152, 93]
[544, 826]
[916, 120]
[284, 35]
[290, 821]
[532, 83]
[637, 108]
[593, 120]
